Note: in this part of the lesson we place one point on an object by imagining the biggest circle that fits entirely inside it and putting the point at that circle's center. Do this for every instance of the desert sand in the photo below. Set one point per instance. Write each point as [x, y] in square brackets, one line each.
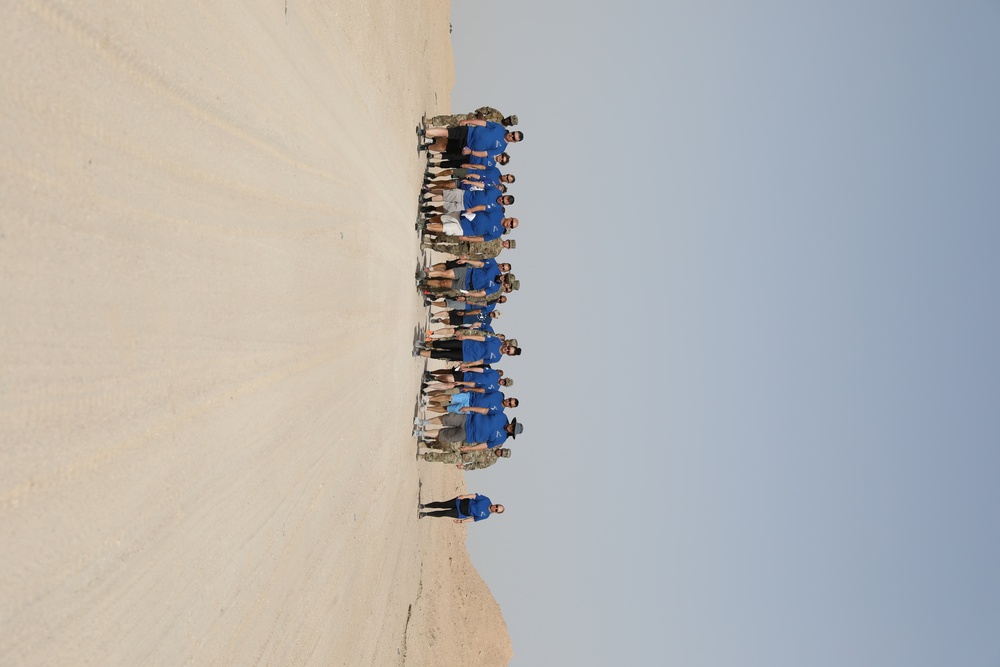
[206, 314]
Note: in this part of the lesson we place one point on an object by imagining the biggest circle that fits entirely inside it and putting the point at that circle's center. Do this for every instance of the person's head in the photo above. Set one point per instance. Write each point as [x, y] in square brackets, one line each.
[509, 244]
[510, 350]
[502, 336]
[502, 452]
[496, 509]
[514, 429]
[506, 289]
[514, 137]
[502, 299]
[507, 178]
[502, 188]
[505, 200]
[510, 402]
[504, 267]
[495, 314]
[509, 120]
[510, 223]
[503, 158]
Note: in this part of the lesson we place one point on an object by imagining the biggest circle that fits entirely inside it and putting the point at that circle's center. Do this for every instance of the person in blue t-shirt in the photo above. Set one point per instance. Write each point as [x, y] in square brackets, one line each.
[478, 278]
[467, 431]
[462, 509]
[470, 349]
[478, 138]
[466, 201]
[459, 161]
[467, 178]
[471, 227]
[439, 386]
[489, 403]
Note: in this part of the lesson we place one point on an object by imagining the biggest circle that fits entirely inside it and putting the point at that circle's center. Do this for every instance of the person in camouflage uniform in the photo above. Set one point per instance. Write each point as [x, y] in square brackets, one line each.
[480, 251]
[508, 284]
[482, 113]
[476, 460]
[458, 303]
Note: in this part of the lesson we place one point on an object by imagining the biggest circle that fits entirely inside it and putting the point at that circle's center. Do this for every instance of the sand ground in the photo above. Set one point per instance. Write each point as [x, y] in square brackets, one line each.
[206, 312]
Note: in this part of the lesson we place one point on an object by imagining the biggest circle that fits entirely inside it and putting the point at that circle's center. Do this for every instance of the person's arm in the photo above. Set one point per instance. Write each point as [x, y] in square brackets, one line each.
[471, 262]
[464, 337]
[467, 496]
[465, 520]
[469, 151]
[478, 122]
[470, 165]
[472, 448]
[470, 239]
[476, 294]
[482, 411]
[475, 209]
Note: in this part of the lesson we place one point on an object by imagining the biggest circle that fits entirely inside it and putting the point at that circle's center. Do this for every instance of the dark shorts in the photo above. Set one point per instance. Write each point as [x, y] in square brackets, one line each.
[459, 281]
[457, 139]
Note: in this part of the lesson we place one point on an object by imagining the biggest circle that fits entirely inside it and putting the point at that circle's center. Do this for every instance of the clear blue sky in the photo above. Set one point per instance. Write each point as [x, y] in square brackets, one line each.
[761, 379]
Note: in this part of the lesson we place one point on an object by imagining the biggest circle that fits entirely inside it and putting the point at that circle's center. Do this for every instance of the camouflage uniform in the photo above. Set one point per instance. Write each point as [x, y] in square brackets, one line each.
[452, 120]
[477, 460]
[484, 250]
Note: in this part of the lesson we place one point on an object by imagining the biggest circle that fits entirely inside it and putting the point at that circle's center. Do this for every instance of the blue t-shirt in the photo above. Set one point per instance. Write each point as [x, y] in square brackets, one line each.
[486, 197]
[488, 350]
[493, 401]
[489, 379]
[488, 176]
[487, 224]
[491, 429]
[485, 278]
[485, 161]
[479, 508]
[489, 138]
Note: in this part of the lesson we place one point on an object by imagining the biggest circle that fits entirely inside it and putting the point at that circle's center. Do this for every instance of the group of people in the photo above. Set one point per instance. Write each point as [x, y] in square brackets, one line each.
[463, 214]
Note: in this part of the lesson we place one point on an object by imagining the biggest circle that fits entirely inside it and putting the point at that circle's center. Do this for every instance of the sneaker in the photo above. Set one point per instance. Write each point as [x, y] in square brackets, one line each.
[421, 515]
[420, 506]
[417, 421]
[417, 433]
[417, 351]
